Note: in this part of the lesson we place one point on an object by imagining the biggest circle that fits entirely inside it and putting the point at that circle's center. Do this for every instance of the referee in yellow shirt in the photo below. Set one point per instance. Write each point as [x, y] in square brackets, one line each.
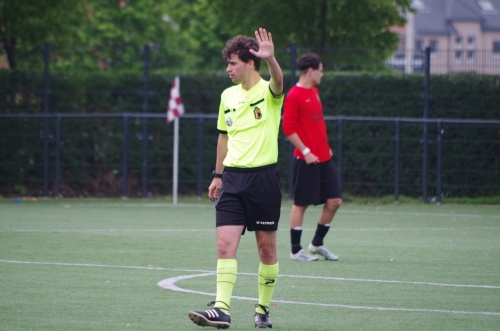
[246, 183]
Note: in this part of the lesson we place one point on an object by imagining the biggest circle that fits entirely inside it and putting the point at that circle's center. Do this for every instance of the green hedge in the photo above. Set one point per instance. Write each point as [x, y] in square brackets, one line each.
[452, 96]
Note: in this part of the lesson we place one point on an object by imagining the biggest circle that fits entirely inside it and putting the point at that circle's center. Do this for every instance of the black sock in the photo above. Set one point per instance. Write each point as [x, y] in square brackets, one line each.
[320, 234]
[295, 238]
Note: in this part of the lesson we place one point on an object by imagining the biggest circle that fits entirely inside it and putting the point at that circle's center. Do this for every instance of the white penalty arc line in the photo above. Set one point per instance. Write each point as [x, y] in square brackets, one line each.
[169, 284]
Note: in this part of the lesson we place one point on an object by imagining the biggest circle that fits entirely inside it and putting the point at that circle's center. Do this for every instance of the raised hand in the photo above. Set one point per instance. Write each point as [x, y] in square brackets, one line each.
[266, 46]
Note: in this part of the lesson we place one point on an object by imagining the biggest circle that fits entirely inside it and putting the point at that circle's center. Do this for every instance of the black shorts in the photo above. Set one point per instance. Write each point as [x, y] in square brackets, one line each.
[314, 184]
[250, 197]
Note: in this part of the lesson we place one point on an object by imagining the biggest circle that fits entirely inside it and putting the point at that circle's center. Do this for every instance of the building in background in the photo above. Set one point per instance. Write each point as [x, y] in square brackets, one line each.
[463, 36]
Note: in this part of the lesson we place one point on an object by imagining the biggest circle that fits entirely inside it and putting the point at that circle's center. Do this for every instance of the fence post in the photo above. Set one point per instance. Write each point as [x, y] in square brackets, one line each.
[201, 139]
[339, 153]
[293, 65]
[59, 144]
[293, 79]
[425, 138]
[145, 110]
[439, 141]
[397, 123]
[125, 158]
[46, 111]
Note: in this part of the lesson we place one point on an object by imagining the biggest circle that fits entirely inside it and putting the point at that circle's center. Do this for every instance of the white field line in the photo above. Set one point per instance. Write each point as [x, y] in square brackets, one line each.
[208, 206]
[169, 284]
[495, 287]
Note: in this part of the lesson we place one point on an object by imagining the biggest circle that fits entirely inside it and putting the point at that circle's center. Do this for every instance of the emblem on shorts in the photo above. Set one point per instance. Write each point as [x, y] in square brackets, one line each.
[257, 113]
[264, 222]
[229, 121]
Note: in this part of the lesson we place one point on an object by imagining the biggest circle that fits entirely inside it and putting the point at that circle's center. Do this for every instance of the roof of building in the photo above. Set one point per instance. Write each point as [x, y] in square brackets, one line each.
[436, 16]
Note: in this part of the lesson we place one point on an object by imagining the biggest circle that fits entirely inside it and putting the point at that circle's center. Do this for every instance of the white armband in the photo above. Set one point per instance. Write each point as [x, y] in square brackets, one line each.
[306, 151]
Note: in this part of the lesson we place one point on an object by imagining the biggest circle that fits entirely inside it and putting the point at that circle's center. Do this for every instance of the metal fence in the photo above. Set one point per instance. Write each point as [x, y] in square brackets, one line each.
[113, 156]
[130, 154]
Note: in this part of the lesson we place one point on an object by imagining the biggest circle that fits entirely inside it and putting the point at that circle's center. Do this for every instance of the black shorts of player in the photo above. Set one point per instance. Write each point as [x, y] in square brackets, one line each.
[250, 197]
[315, 183]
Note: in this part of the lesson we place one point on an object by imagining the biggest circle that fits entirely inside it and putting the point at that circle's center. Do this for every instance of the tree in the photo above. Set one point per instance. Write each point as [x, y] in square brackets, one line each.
[320, 24]
[189, 34]
[94, 34]
[203, 36]
[116, 32]
[25, 24]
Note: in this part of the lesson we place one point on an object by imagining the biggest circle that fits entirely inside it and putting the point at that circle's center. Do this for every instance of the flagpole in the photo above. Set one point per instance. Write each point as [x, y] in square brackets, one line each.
[174, 110]
[176, 162]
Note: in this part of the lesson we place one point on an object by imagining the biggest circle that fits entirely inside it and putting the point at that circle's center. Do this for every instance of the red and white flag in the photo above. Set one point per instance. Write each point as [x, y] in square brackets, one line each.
[175, 106]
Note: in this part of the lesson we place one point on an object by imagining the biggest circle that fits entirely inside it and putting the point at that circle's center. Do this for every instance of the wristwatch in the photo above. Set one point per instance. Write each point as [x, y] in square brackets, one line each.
[216, 175]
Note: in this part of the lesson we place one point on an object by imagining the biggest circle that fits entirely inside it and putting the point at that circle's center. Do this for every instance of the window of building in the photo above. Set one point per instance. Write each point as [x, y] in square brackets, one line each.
[486, 6]
[458, 55]
[496, 47]
[419, 6]
[470, 55]
[471, 41]
[433, 44]
[458, 40]
[419, 45]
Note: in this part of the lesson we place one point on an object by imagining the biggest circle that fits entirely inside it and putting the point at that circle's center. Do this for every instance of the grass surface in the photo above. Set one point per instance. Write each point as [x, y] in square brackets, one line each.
[96, 265]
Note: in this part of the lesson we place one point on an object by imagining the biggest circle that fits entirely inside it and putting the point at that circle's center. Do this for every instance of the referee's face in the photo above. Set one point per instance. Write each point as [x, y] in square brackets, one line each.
[236, 69]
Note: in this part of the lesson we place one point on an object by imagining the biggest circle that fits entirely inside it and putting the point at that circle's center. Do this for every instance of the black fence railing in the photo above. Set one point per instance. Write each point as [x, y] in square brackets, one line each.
[75, 155]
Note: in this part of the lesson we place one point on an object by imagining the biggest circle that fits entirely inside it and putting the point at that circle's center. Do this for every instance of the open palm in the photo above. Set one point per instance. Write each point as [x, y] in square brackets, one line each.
[266, 46]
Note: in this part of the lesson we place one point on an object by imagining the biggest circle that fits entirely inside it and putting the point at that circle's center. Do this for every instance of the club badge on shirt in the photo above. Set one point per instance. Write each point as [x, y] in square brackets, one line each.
[257, 113]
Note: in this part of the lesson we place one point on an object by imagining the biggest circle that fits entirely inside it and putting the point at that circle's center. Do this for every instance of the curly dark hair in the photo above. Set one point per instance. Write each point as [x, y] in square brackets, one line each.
[241, 45]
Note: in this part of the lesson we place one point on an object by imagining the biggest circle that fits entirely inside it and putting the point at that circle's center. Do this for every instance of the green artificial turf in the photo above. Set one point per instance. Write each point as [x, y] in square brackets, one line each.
[96, 265]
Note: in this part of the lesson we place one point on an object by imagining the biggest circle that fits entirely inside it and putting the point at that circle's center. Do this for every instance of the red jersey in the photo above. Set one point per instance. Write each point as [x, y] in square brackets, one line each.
[304, 115]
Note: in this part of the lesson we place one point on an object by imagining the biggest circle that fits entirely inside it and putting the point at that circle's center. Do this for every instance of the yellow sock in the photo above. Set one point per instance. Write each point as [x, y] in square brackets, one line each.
[227, 270]
[268, 274]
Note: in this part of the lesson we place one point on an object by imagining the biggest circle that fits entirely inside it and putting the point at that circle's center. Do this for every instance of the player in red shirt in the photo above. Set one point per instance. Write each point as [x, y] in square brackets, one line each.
[315, 178]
